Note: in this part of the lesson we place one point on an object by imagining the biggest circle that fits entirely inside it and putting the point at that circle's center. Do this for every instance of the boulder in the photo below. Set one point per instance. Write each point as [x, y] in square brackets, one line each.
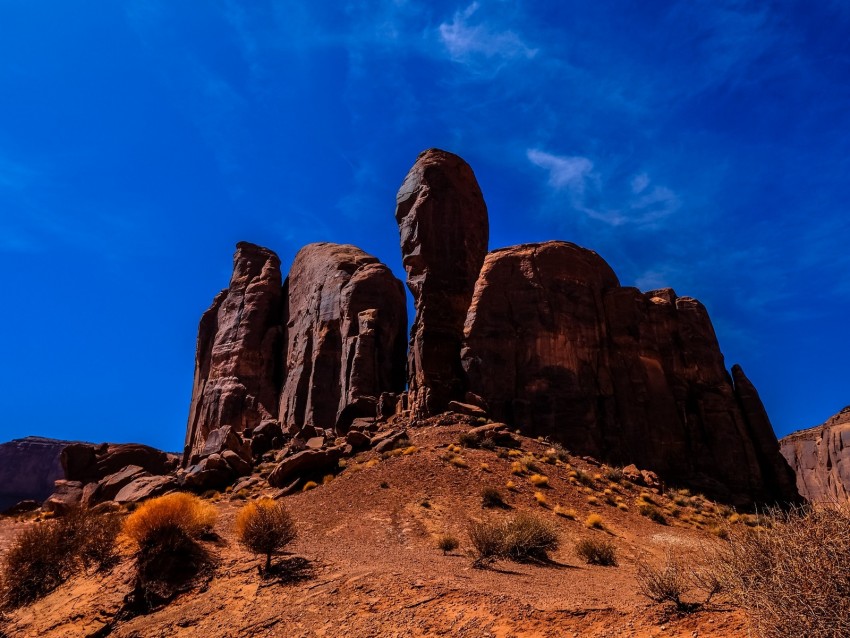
[468, 409]
[265, 436]
[304, 464]
[66, 495]
[91, 463]
[820, 457]
[315, 443]
[442, 220]
[358, 440]
[238, 361]
[226, 438]
[632, 473]
[108, 487]
[237, 464]
[389, 441]
[387, 406]
[616, 374]
[146, 487]
[345, 338]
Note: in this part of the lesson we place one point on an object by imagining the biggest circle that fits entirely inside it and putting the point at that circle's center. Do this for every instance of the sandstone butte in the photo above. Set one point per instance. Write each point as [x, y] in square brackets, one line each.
[820, 456]
[541, 336]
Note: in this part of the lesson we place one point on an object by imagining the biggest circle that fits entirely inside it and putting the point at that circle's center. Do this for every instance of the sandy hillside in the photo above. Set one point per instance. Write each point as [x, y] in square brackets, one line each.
[365, 562]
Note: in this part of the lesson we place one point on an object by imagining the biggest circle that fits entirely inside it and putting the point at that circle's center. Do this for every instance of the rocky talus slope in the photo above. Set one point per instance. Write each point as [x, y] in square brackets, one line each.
[820, 457]
[366, 561]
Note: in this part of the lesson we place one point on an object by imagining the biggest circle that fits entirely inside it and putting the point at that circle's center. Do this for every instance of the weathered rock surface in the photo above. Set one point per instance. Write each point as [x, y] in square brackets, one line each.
[820, 457]
[304, 464]
[91, 463]
[556, 346]
[66, 495]
[146, 487]
[238, 358]
[347, 319]
[28, 469]
[444, 230]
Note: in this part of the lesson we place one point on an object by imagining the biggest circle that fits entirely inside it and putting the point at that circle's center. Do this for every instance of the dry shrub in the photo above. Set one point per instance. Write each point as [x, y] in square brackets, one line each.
[487, 541]
[597, 551]
[521, 538]
[794, 578]
[166, 531]
[265, 527]
[530, 537]
[594, 521]
[160, 517]
[491, 497]
[664, 584]
[447, 543]
[46, 554]
[651, 512]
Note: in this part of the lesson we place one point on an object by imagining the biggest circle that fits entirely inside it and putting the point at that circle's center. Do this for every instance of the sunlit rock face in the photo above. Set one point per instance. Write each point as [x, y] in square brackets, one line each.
[556, 346]
[346, 333]
[820, 457]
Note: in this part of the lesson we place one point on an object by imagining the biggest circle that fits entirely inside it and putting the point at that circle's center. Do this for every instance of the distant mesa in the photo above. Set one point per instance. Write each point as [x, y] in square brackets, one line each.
[28, 469]
[820, 457]
[541, 336]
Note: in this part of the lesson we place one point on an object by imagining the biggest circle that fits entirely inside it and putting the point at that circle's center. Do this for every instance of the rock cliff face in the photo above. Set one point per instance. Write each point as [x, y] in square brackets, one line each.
[444, 230]
[238, 358]
[345, 335]
[556, 346]
[821, 458]
[28, 468]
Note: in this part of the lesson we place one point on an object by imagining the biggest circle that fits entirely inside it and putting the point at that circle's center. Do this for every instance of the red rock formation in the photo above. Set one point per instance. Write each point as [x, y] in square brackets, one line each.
[345, 335]
[238, 360]
[555, 345]
[821, 458]
[444, 229]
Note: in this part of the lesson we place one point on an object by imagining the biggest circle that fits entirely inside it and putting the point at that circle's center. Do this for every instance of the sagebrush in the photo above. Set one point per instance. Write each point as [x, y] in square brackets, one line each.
[265, 527]
[47, 553]
[793, 578]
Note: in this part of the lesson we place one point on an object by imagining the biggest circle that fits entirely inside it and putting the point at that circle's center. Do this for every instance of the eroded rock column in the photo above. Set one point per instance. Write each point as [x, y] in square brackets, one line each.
[444, 230]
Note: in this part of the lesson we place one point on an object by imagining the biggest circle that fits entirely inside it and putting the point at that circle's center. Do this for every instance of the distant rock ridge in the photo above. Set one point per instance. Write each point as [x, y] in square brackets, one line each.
[28, 469]
[820, 457]
[541, 336]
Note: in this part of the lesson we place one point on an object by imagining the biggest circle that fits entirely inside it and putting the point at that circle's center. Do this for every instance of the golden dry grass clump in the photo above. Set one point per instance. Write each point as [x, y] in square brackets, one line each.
[172, 514]
[265, 527]
[522, 537]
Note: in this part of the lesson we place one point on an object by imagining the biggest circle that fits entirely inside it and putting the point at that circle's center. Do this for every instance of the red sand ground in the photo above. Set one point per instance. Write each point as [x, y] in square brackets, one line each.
[374, 569]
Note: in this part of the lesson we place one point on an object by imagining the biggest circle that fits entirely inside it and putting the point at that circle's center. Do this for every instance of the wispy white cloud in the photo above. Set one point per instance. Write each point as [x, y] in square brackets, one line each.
[465, 38]
[588, 192]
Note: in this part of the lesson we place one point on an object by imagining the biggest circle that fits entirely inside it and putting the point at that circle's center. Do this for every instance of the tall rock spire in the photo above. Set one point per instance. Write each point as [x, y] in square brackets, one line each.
[442, 220]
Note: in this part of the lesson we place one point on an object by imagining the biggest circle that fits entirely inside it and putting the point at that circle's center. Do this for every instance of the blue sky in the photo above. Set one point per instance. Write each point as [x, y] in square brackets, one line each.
[696, 144]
